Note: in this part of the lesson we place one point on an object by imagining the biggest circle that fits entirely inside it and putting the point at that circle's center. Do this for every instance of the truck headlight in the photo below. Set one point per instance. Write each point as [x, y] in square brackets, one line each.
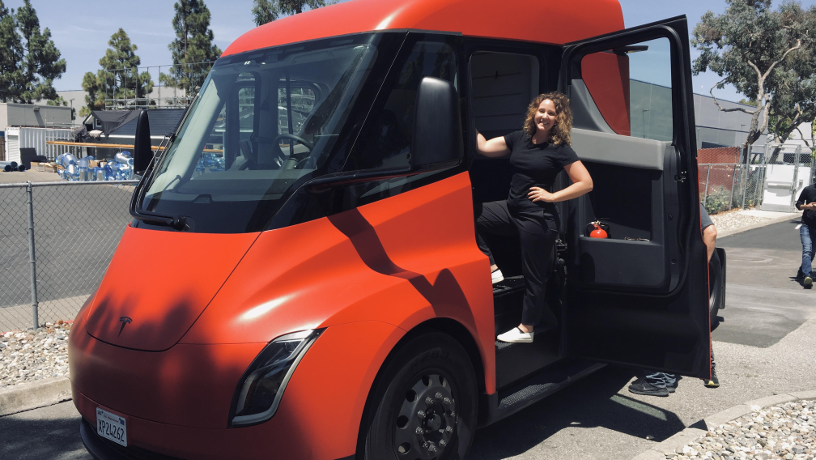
[261, 388]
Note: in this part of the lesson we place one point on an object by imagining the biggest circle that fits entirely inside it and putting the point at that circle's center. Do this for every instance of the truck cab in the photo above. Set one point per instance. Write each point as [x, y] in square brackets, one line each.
[301, 278]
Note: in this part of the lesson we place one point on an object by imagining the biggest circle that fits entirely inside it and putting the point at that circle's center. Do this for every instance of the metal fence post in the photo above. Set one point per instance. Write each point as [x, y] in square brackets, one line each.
[795, 178]
[733, 180]
[747, 173]
[32, 258]
[705, 193]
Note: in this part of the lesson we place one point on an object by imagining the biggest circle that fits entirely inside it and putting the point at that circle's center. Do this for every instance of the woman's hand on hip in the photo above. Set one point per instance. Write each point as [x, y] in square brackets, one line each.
[539, 194]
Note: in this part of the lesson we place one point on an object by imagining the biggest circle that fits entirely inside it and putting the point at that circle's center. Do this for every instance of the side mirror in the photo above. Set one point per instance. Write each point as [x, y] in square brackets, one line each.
[142, 151]
[437, 137]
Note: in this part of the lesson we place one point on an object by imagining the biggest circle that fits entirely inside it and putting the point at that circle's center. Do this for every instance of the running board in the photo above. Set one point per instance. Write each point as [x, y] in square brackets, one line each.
[522, 395]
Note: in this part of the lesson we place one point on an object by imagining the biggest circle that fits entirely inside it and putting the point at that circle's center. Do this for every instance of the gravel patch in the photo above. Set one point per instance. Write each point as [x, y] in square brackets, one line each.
[27, 356]
[730, 220]
[786, 431]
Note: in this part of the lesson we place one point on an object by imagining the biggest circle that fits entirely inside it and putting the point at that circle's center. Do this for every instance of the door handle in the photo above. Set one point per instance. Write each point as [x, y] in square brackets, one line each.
[682, 175]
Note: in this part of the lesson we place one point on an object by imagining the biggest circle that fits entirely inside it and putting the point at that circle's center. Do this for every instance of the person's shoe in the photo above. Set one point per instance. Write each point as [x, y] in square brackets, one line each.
[642, 387]
[807, 282]
[713, 382]
[515, 335]
[673, 387]
[496, 276]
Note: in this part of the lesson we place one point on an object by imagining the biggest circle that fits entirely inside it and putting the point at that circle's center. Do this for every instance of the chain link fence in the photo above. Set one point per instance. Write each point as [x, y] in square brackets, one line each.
[729, 186]
[56, 240]
[771, 179]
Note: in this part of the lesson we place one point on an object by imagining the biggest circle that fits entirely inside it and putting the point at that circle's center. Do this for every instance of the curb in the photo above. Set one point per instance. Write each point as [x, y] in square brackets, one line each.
[768, 221]
[27, 396]
[679, 440]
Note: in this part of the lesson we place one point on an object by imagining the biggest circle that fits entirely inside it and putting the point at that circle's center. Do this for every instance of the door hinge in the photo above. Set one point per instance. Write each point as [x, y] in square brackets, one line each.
[681, 177]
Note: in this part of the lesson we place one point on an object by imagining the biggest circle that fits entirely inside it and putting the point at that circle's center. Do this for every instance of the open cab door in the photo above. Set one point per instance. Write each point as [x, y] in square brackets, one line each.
[640, 296]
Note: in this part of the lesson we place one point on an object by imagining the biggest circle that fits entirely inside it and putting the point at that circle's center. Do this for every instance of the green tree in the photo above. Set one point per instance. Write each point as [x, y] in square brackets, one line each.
[265, 11]
[95, 99]
[59, 101]
[119, 77]
[756, 50]
[193, 51]
[11, 75]
[41, 64]
[791, 108]
[795, 101]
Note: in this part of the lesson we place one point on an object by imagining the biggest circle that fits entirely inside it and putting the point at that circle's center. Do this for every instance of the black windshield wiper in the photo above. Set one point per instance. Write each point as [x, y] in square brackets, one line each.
[157, 218]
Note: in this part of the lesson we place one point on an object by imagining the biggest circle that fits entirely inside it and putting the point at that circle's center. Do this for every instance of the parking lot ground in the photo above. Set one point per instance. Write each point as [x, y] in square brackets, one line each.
[46, 433]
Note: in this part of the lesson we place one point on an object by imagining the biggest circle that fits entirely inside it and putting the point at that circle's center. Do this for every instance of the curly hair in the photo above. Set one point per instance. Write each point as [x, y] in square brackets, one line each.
[560, 132]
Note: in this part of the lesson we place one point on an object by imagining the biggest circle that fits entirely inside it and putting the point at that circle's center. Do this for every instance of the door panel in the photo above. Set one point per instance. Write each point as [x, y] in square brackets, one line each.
[638, 153]
[639, 297]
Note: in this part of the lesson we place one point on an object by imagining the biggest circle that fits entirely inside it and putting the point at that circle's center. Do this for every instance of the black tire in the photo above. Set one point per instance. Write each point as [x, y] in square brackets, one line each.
[716, 285]
[424, 404]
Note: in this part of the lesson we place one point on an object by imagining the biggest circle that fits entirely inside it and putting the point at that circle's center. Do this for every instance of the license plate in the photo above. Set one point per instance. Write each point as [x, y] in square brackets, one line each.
[111, 426]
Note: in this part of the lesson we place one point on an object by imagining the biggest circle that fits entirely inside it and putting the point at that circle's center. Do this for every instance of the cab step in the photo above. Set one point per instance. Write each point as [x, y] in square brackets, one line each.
[525, 393]
[514, 361]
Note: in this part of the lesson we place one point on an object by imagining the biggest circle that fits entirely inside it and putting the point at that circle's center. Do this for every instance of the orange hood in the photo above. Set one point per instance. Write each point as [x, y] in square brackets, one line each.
[159, 282]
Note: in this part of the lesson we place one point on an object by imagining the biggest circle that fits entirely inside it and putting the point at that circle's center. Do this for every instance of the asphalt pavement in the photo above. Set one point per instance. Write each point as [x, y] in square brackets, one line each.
[764, 345]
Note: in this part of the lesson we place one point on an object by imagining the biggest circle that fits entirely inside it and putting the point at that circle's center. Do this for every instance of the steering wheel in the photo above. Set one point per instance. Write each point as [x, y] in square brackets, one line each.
[293, 137]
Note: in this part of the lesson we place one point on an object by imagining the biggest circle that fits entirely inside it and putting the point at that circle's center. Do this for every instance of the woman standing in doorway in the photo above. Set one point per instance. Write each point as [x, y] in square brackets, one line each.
[537, 154]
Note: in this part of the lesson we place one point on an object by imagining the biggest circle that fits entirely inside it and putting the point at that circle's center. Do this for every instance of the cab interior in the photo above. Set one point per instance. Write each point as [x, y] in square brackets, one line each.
[502, 85]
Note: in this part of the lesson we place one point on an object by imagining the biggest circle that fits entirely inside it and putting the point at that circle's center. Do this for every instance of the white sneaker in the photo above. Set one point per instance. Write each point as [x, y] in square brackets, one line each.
[496, 276]
[516, 336]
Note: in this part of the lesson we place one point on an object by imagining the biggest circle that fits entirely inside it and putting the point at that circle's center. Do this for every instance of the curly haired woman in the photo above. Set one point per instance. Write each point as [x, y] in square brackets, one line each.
[538, 153]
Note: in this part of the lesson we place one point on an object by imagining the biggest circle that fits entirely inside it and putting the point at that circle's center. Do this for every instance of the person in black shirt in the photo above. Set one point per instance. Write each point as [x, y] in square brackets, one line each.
[807, 203]
[537, 154]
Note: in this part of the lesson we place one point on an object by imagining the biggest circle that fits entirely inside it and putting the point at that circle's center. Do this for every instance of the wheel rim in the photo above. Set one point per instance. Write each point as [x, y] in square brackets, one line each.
[427, 418]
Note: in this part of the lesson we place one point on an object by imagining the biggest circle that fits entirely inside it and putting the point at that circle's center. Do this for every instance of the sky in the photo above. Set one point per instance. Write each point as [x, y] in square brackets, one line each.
[82, 34]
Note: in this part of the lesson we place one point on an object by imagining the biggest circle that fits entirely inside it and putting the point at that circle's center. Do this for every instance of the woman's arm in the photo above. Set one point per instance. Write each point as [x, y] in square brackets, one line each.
[496, 147]
[581, 184]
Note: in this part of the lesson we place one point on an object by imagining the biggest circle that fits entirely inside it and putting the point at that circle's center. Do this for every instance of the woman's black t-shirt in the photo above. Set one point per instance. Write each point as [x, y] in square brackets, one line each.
[534, 165]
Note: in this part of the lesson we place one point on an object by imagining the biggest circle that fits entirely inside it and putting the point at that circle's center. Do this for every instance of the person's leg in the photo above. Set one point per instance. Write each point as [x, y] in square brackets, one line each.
[671, 382]
[654, 384]
[806, 233]
[494, 219]
[537, 246]
[713, 382]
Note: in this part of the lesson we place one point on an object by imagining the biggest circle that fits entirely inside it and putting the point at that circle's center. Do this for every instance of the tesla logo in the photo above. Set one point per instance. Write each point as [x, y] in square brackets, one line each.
[124, 320]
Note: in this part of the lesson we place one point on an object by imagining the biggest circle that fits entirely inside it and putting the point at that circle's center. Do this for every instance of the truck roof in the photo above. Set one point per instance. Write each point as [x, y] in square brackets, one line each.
[544, 21]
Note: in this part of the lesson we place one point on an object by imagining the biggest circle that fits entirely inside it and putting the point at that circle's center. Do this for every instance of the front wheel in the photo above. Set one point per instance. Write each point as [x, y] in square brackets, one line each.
[425, 403]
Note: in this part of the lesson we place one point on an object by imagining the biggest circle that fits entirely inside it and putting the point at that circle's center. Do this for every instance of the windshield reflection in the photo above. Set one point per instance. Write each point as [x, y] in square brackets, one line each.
[262, 120]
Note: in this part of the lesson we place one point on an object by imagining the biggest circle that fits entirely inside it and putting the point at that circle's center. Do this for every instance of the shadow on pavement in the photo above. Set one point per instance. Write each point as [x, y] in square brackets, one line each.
[591, 402]
[26, 437]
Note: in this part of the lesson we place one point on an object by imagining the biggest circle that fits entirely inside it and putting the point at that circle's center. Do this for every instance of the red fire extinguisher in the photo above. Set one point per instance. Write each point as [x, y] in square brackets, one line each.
[598, 232]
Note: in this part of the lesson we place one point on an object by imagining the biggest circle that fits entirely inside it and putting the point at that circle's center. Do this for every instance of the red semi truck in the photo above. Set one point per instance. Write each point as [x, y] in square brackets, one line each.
[301, 278]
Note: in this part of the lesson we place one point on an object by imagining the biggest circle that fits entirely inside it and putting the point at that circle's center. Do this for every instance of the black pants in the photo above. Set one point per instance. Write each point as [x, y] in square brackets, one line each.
[537, 237]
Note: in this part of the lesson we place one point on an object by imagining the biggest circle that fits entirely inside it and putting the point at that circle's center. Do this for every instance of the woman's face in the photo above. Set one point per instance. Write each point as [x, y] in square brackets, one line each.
[545, 116]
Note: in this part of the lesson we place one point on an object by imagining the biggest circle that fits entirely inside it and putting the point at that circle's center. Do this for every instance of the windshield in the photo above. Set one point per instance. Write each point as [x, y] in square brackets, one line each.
[262, 120]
